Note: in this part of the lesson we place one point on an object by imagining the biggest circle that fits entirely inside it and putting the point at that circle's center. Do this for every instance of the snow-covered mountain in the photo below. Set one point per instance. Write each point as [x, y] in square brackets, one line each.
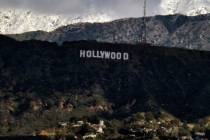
[15, 21]
[19, 21]
[186, 7]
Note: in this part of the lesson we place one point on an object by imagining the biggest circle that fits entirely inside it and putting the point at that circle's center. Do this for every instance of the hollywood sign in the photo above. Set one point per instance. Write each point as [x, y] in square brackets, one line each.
[104, 55]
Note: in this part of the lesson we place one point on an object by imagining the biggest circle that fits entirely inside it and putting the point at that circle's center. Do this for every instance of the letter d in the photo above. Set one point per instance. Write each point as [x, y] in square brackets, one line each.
[125, 56]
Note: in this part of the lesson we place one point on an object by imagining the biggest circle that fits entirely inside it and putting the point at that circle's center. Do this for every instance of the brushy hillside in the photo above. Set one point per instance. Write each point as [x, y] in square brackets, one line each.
[42, 84]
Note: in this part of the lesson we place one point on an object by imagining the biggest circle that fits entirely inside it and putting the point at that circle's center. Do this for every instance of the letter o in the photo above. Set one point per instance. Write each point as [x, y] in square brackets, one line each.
[113, 55]
[88, 54]
[119, 55]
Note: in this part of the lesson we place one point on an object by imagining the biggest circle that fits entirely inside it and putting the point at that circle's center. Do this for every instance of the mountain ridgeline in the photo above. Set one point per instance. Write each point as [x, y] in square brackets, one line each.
[181, 31]
[39, 80]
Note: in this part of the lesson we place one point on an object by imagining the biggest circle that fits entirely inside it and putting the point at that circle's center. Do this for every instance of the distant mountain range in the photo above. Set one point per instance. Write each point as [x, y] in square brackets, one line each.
[191, 32]
[188, 29]
[15, 21]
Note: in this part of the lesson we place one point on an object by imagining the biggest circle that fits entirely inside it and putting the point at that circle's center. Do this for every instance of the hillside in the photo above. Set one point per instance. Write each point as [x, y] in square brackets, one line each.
[42, 84]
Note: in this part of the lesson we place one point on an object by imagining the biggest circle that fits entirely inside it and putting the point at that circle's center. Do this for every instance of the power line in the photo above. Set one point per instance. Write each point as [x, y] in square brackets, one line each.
[144, 35]
[145, 8]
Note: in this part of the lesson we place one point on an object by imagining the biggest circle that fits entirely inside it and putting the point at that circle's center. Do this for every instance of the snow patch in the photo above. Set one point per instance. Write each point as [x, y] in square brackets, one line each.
[186, 7]
[20, 21]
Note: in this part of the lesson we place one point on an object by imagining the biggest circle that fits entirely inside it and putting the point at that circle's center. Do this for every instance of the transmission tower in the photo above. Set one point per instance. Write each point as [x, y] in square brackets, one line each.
[144, 28]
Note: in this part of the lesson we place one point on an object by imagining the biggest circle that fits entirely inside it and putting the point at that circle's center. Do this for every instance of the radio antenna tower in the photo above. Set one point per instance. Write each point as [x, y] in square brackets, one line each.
[144, 36]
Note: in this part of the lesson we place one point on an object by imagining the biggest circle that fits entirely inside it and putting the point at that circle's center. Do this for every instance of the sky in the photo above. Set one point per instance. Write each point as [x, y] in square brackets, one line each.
[114, 8]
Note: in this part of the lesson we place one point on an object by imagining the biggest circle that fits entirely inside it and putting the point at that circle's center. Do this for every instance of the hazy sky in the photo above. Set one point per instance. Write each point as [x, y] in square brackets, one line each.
[115, 8]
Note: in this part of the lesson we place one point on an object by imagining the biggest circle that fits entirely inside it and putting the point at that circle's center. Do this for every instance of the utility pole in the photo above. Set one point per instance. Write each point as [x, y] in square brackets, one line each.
[144, 28]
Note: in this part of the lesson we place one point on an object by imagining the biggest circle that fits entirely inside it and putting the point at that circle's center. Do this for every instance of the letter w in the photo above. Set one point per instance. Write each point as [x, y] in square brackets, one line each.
[107, 55]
